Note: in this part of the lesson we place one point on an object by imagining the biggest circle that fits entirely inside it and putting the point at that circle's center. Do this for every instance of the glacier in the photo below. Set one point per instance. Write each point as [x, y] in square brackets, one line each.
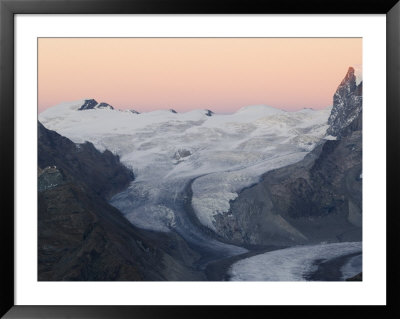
[228, 152]
[294, 263]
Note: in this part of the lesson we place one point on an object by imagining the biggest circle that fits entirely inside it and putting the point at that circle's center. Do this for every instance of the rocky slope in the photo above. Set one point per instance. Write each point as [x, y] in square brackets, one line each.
[317, 199]
[102, 172]
[81, 236]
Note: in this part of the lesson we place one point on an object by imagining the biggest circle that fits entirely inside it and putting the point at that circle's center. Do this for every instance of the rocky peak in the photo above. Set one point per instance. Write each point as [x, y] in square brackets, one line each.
[350, 78]
[92, 104]
[88, 105]
[347, 105]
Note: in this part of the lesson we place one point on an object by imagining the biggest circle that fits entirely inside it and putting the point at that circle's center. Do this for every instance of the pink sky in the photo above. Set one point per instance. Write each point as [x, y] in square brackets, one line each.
[221, 74]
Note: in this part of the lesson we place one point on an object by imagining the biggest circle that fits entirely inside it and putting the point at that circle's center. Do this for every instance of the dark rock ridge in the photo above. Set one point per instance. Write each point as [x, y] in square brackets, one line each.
[173, 111]
[181, 153]
[315, 200]
[347, 105]
[81, 236]
[92, 104]
[88, 105]
[209, 113]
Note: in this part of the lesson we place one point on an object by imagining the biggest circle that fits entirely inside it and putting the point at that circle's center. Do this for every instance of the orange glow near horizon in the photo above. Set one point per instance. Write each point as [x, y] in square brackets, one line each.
[221, 74]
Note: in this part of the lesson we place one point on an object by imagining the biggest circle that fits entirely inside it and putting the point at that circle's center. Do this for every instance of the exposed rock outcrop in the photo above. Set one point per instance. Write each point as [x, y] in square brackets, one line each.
[88, 105]
[209, 113]
[92, 104]
[49, 177]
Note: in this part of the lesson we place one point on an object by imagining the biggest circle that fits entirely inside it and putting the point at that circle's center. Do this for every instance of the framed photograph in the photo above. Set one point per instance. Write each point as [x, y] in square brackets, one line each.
[160, 155]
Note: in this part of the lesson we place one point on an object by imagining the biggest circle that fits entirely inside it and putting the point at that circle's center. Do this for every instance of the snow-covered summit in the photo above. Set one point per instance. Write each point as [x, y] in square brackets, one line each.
[104, 105]
[132, 111]
[260, 109]
[63, 108]
[66, 108]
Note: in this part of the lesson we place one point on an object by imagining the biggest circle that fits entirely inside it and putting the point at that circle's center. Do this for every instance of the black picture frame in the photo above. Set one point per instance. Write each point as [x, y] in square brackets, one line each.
[8, 8]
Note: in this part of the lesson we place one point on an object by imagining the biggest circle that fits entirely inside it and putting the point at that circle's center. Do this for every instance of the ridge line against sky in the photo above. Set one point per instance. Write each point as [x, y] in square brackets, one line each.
[221, 74]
